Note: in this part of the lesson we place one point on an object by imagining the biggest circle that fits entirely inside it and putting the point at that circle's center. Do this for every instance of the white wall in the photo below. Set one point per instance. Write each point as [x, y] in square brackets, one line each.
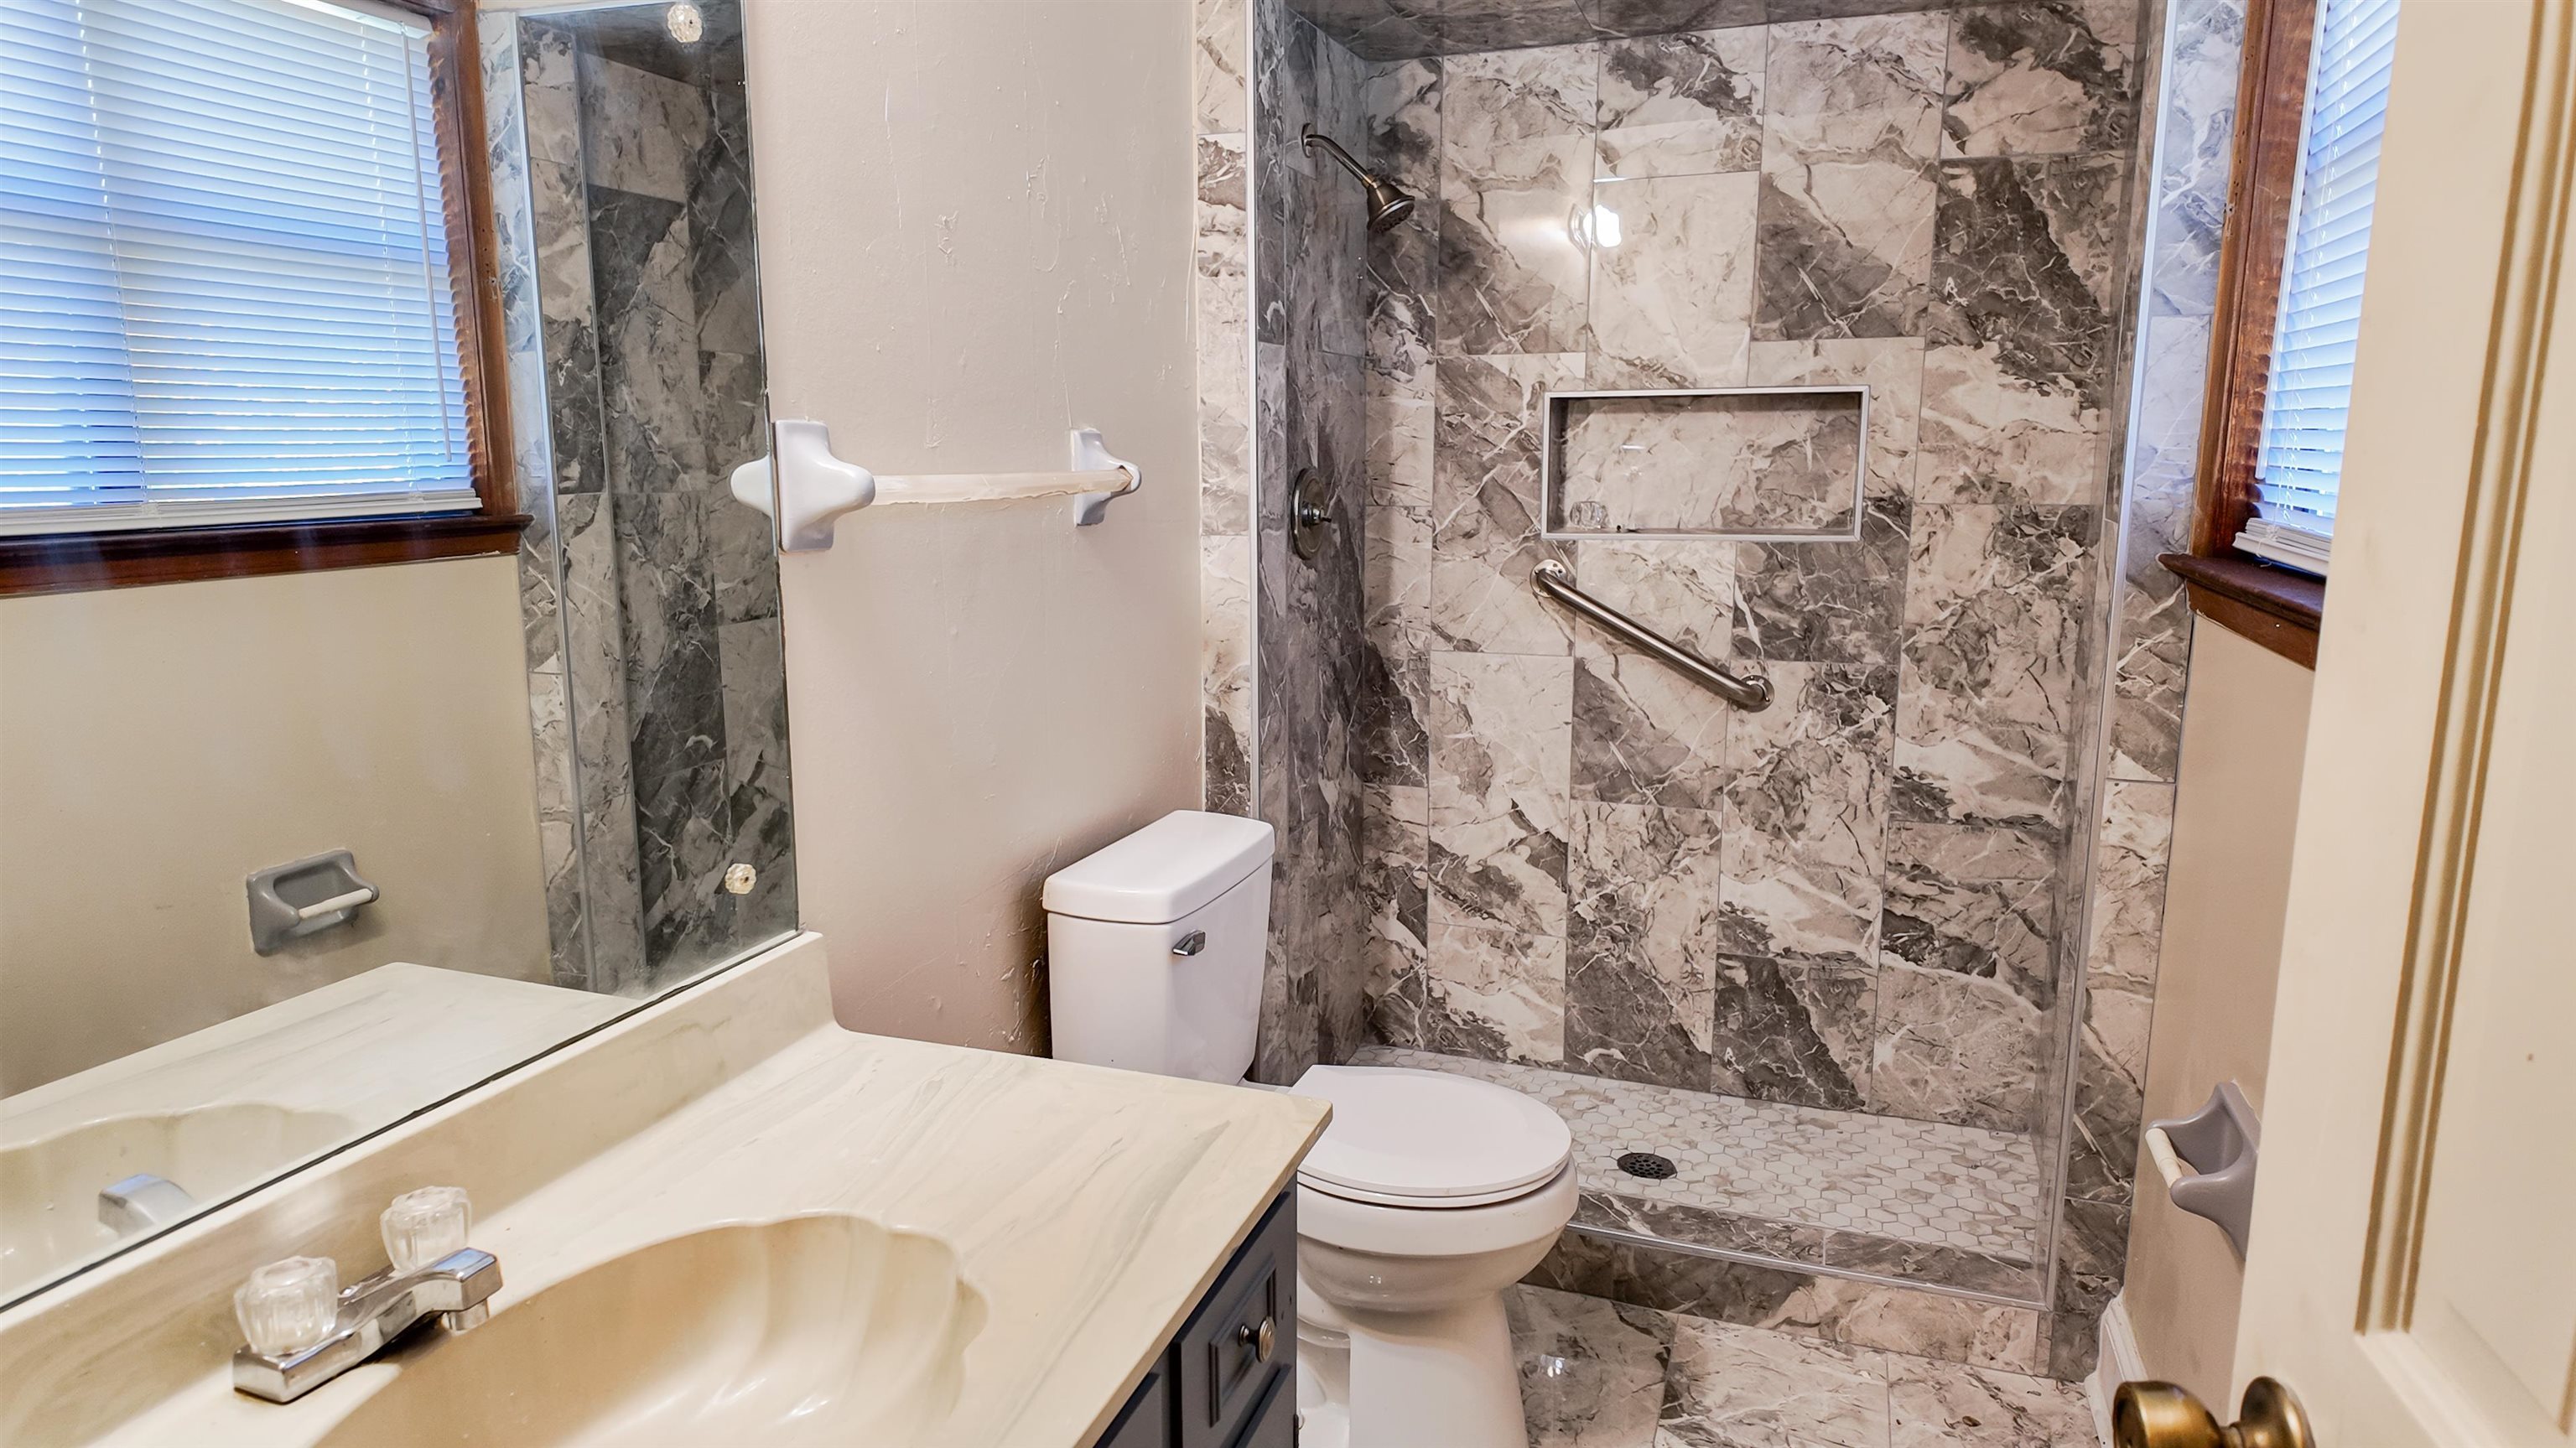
[159, 744]
[975, 234]
[2235, 814]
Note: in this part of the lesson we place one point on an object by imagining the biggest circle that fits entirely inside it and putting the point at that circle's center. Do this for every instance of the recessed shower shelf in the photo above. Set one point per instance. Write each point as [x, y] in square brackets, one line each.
[1705, 463]
[805, 490]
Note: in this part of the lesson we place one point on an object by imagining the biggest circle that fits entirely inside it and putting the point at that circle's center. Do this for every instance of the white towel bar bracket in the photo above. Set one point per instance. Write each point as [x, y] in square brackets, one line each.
[805, 490]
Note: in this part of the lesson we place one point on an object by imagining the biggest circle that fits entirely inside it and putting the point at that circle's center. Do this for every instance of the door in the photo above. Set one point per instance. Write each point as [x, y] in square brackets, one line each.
[2413, 1268]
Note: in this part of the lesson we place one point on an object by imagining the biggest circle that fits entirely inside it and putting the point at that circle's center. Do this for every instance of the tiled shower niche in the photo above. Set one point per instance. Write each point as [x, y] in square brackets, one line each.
[1722, 462]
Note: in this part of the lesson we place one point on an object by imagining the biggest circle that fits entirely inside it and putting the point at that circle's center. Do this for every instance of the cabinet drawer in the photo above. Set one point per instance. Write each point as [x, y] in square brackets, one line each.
[1242, 1342]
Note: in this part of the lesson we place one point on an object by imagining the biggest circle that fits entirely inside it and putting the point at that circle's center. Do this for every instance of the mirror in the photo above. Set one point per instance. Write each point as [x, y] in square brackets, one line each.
[319, 810]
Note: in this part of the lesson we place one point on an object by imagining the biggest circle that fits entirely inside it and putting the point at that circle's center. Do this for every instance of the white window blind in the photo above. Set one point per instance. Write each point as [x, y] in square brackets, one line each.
[224, 288]
[2309, 392]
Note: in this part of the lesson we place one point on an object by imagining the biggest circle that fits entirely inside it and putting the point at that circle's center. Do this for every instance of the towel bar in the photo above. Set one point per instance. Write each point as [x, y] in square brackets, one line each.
[805, 490]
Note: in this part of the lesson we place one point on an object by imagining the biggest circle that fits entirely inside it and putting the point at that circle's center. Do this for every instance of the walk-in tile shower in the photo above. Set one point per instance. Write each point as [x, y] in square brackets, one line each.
[1826, 957]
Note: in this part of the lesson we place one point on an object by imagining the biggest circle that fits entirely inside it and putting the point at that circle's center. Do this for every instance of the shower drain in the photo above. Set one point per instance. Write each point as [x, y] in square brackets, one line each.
[1648, 1165]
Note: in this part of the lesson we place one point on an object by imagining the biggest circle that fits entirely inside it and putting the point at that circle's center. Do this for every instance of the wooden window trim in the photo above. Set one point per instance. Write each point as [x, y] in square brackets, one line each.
[78, 562]
[2283, 610]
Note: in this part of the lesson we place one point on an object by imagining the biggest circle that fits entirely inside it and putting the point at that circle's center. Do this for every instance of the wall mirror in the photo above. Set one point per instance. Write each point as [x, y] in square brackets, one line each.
[390, 690]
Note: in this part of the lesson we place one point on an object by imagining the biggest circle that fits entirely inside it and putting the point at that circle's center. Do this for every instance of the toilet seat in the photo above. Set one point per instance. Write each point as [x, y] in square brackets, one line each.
[1429, 1140]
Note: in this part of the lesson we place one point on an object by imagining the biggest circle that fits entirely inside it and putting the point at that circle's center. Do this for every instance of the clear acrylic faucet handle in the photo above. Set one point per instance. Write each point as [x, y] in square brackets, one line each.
[425, 1225]
[288, 1306]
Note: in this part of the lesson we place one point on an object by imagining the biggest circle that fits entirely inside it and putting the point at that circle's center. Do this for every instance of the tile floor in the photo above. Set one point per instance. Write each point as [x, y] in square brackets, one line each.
[1599, 1374]
[1922, 1182]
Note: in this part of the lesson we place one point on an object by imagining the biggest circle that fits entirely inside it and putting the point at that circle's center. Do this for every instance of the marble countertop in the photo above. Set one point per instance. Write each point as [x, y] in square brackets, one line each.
[1089, 1207]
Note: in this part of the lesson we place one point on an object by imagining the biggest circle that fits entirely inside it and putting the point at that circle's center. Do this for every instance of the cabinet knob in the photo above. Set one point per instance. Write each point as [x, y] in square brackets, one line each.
[1263, 1340]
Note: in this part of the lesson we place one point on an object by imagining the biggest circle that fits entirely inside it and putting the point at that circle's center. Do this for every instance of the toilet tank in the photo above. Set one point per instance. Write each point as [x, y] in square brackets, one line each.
[1155, 944]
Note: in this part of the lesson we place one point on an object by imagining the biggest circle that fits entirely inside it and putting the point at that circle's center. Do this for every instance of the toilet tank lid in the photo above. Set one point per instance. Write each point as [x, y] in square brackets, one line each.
[1163, 871]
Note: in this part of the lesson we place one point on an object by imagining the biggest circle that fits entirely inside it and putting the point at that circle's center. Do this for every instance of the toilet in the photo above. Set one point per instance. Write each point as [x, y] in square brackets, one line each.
[1428, 1195]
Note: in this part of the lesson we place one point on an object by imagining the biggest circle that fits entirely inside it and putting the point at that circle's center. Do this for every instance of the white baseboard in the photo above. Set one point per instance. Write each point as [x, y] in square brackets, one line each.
[2117, 1362]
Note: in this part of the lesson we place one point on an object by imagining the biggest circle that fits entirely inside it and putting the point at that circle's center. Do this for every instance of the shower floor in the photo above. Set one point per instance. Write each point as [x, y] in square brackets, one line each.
[1918, 1202]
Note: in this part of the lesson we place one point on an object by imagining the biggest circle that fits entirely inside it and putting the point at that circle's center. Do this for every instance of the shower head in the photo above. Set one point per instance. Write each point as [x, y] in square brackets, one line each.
[1388, 203]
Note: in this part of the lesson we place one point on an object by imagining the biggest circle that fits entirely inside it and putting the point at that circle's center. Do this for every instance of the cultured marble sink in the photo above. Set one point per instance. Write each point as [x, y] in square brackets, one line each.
[49, 1187]
[811, 1329]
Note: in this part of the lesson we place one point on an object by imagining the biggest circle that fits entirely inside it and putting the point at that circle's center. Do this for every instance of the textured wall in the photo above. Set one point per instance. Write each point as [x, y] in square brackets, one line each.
[969, 245]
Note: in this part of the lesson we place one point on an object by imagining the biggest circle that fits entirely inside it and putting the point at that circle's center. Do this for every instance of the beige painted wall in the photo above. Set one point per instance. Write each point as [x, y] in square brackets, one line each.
[159, 744]
[2235, 811]
[975, 234]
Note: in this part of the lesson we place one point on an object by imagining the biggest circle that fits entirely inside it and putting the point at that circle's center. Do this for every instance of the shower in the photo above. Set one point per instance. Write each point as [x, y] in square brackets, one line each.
[1389, 204]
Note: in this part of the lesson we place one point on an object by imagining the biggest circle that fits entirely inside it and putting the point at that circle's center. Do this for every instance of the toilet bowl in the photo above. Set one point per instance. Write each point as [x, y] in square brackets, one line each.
[1428, 1195]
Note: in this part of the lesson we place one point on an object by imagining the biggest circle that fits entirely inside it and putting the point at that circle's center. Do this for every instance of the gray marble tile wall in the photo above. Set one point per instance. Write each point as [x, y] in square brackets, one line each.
[2149, 625]
[1847, 900]
[657, 680]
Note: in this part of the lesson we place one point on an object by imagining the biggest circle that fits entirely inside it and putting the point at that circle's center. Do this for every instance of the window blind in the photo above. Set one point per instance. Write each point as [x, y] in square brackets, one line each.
[224, 285]
[2309, 391]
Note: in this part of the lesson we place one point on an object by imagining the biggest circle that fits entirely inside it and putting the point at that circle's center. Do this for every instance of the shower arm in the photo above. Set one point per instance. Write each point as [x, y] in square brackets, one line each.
[1314, 138]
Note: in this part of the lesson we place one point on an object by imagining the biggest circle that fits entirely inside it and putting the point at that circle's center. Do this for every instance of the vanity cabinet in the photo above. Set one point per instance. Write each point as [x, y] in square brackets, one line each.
[1229, 1378]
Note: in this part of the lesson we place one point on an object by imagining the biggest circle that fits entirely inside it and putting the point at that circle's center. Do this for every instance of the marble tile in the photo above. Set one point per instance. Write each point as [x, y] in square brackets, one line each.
[1485, 491]
[1673, 264]
[1500, 747]
[1397, 879]
[1504, 96]
[683, 836]
[674, 687]
[1592, 1372]
[1682, 1225]
[1512, 268]
[549, 91]
[1943, 1405]
[760, 797]
[2151, 651]
[1220, 55]
[1641, 943]
[1793, 1033]
[1975, 902]
[1819, 602]
[1955, 1048]
[1806, 812]
[1225, 672]
[2203, 58]
[1687, 587]
[2092, 1245]
[649, 380]
[1401, 101]
[1644, 734]
[2006, 1276]
[2041, 77]
[1496, 994]
[1729, 1385]
[1988, 693]
[2131, 842]
[1223, 299]
[1890, 367]
[1399, 583]
[1850, 123]
[1681, 105]
[1395, 707]
[1729, 465]
[641, 131]
[1992, 435]
[2025, 259]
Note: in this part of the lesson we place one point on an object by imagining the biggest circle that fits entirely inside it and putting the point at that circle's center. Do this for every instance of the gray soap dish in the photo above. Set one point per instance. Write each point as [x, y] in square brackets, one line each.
[2207, 1160]
[295, 900]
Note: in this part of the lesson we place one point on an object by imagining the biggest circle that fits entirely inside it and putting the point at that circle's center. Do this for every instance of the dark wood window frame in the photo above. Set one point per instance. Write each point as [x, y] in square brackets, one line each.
[77, 562]
[2275, 607]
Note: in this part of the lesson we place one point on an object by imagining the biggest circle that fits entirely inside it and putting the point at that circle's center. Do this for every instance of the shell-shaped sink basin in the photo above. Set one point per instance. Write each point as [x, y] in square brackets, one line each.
[815, 1329]
[49, 1187]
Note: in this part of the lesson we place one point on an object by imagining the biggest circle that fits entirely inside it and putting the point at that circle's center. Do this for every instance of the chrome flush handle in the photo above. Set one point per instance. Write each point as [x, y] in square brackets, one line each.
[1190, 944]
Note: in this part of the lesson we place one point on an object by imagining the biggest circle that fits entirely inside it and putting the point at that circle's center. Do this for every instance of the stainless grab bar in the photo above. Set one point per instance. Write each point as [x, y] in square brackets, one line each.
[1749, 692]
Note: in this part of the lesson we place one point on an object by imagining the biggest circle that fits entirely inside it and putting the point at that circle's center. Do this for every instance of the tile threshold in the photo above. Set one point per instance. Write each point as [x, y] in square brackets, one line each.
[1679, 1248]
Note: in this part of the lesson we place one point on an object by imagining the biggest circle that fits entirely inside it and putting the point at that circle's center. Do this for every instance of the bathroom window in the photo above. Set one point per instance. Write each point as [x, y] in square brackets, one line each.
[2310, 112]
[242, 318]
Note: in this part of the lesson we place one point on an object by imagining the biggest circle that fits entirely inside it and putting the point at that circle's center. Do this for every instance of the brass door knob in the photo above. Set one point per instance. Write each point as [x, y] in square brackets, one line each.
[2160, 1415]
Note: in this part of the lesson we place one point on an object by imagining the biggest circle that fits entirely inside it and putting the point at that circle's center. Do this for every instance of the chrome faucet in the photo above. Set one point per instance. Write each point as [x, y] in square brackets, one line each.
[305, 1330]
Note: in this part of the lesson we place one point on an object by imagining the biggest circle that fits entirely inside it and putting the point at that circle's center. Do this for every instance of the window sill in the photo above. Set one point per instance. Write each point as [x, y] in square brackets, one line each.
[84, 562]
[2276, 608]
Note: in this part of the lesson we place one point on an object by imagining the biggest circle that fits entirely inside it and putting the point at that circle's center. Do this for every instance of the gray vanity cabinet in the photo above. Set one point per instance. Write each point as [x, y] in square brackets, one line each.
[1229, 1379]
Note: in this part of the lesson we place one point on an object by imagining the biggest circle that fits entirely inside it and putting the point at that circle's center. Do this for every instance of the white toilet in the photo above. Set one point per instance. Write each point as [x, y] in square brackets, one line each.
[1429, 1193]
